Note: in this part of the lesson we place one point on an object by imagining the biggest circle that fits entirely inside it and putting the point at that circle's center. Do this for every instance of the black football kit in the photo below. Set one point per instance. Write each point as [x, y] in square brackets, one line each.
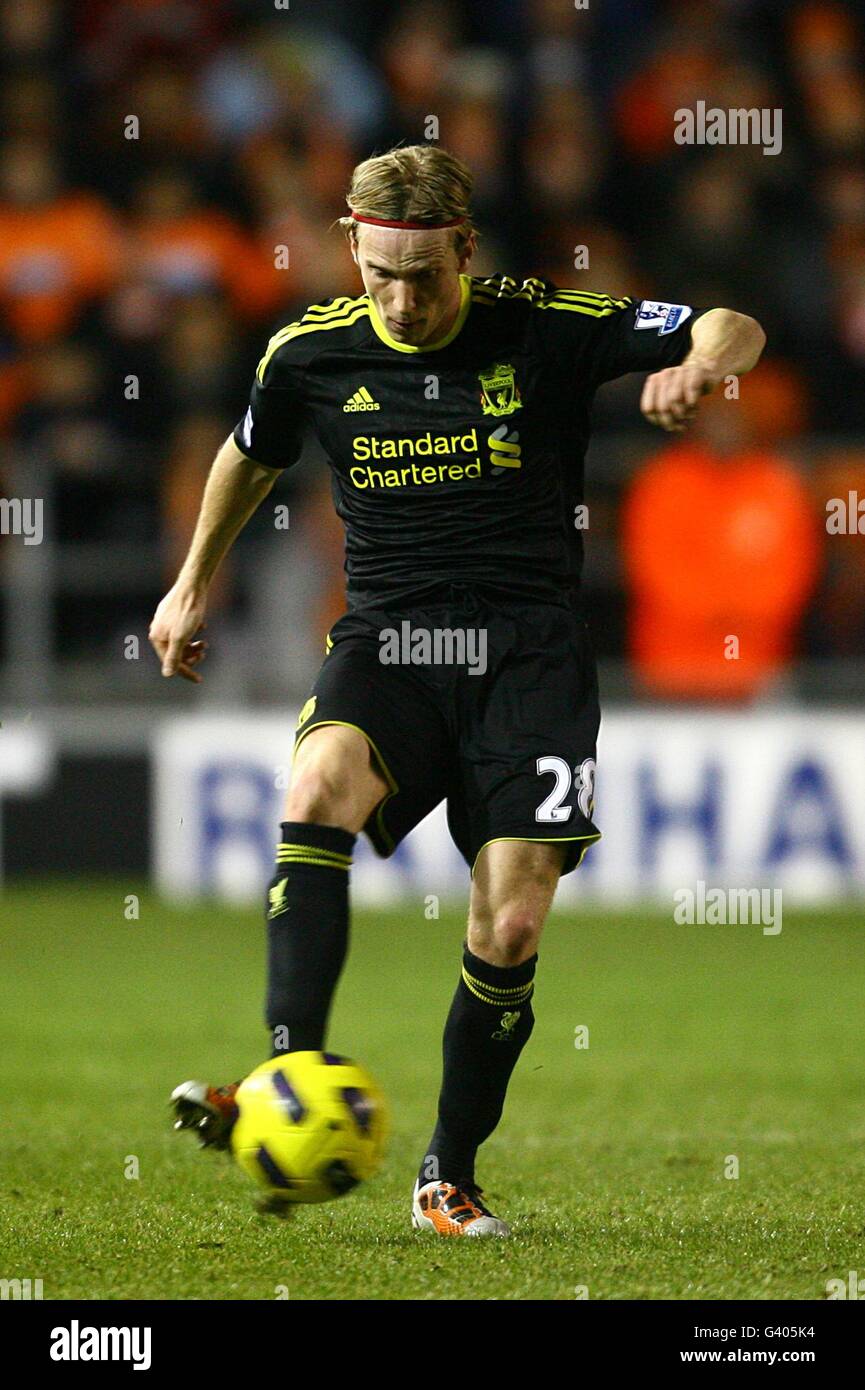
[457, 470]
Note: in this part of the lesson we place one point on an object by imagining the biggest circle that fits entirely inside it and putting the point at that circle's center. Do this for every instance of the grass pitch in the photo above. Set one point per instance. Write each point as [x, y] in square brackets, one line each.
[709, 1047]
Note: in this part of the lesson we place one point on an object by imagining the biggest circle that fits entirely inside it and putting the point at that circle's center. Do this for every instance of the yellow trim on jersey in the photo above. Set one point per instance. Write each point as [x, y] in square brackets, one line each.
[597, 313]
[336, 306]
[588, 302]
[462, 315]
[505, 286]
[584, 297]
[511, 286]
[318, 318]
[344, 311]
[539, 840]
[573, 306]
[317, 314]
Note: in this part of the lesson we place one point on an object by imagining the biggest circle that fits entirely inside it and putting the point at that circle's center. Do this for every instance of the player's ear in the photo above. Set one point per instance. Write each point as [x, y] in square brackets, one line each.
[352, 246]
[467, 252]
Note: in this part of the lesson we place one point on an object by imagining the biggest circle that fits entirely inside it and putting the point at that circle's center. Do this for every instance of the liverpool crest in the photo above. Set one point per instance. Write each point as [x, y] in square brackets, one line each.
[499, 392]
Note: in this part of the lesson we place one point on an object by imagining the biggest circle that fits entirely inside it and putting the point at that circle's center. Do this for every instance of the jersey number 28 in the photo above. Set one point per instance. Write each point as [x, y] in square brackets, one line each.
[551, 808]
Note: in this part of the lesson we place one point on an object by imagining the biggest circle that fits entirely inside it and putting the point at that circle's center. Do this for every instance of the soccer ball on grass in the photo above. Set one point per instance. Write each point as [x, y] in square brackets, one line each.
[310, 1127]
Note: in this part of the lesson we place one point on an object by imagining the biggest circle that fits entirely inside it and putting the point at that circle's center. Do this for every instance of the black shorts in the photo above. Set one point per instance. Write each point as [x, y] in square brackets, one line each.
[503, 724]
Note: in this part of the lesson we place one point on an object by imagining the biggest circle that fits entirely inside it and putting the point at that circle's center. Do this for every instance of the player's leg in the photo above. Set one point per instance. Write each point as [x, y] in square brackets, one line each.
[335, 787]
[520, 811]
[371, 753]
[334, 779]
[489, 1024]
[512, 891]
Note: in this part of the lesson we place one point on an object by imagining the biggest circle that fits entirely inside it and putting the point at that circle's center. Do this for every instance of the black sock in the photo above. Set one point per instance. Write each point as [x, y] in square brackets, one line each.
[489, 1023]
[307, 929]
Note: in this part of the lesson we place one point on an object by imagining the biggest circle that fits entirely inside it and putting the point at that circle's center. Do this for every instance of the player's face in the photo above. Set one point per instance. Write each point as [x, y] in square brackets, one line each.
[412, 278]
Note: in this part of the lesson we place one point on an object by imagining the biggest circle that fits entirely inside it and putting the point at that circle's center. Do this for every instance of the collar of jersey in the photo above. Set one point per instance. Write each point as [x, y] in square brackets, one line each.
[462, 315]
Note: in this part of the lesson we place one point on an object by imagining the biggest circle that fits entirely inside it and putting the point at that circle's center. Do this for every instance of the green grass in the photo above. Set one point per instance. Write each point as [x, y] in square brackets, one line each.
[704, 1042]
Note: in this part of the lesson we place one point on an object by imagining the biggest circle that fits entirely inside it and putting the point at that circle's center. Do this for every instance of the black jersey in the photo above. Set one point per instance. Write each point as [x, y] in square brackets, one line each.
[460, 461]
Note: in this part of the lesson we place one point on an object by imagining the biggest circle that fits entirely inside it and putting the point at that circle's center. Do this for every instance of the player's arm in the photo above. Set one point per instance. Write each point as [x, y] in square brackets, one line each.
[267, 440]
[723, 343]
[235, 488]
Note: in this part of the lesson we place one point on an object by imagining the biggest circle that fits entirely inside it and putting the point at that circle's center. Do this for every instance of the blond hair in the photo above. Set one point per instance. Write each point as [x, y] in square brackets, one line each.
[412, 183]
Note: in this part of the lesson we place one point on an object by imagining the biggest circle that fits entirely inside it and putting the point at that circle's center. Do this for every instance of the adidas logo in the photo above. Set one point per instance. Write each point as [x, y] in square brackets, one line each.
[361, 400]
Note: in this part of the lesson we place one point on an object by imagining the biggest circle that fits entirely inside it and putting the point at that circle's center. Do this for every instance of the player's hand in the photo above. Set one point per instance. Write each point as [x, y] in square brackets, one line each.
[177, 620]
[670, 397]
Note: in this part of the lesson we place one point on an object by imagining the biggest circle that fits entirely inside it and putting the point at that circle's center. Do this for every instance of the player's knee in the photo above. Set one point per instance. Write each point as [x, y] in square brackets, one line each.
[516, 931]
[511, 937]
[317, 797]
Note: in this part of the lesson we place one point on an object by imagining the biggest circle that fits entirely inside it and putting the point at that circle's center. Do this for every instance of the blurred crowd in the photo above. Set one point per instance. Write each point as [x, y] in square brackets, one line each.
[158, 153]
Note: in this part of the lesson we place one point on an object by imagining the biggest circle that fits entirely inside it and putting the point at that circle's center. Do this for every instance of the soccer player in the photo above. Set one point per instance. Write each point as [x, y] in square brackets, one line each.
[454, 412]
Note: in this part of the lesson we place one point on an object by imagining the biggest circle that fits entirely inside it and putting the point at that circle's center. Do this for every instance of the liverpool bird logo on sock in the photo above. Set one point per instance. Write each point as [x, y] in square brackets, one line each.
[276, 897]
[505, 1032]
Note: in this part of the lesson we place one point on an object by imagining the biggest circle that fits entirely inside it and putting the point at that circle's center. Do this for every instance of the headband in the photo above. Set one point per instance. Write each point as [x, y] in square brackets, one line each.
[406, 226]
